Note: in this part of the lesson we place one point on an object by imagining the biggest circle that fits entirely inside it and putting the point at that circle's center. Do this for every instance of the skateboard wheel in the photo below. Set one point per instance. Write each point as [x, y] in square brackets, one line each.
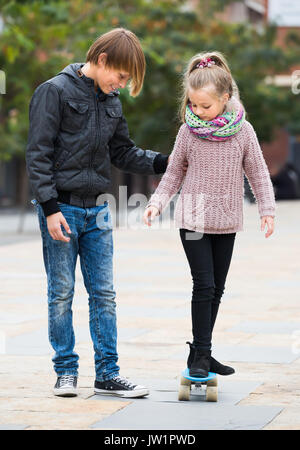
[211, 394]
[184, 393]
[213, 382]
[185, 382]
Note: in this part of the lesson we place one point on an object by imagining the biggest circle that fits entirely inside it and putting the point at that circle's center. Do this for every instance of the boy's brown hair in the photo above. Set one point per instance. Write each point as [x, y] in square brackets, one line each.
[124, 52]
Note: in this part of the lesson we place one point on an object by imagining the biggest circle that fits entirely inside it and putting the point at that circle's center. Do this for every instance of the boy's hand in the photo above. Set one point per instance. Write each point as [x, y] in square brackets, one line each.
[269, 221]
[54, 222]
[185, 164]
[151, 211]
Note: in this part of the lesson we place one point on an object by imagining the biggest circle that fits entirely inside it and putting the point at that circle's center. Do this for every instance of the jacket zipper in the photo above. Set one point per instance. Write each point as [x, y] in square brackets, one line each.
[97, 139]
[97, 132]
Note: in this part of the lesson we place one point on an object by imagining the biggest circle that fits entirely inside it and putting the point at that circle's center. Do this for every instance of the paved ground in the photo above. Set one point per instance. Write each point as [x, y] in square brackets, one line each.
[257, 331]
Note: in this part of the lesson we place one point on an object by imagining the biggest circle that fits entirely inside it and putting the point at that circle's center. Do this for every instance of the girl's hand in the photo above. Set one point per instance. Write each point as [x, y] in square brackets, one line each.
[152, 211]
[269, 221]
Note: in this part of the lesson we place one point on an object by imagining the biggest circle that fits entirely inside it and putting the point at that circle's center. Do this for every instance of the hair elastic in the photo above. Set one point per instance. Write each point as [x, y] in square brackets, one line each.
[205, 62]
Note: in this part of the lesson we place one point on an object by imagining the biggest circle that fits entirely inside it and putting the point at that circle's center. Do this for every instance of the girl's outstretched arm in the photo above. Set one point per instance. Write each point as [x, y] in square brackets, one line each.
[257, 172]
[173, 177]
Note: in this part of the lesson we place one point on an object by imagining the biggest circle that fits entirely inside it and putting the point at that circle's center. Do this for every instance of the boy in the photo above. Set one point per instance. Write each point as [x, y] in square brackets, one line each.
[77, 129]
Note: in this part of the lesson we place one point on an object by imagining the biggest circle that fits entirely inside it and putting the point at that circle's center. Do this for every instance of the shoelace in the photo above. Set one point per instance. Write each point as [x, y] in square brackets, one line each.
[124, 381]
[67, 379]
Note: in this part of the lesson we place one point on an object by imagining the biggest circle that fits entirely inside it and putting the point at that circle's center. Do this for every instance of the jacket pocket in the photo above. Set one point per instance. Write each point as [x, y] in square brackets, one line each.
[111, 120]
[113, 112]
[75, 115]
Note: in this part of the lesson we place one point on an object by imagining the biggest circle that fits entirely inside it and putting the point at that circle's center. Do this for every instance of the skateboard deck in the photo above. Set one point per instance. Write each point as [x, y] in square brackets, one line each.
[186, 382]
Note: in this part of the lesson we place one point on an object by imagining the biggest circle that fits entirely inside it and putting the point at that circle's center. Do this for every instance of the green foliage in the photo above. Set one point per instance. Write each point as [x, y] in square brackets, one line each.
[39, 38]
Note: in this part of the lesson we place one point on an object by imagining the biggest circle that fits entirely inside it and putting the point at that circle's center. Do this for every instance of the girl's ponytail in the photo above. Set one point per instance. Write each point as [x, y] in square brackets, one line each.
[220, 61]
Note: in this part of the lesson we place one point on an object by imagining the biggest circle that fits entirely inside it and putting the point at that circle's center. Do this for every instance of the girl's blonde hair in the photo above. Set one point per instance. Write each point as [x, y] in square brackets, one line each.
[219, 75]
[124, 52]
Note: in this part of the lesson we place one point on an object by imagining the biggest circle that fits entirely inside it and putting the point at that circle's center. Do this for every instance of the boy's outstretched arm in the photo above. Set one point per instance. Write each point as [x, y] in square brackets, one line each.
[126, 156]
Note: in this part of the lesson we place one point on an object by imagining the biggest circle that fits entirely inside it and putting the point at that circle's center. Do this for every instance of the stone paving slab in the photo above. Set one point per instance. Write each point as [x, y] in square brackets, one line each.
[37, 343]
[252, 326]
[188, 416]
[8, 318]
[285, 283]
[162, 391]
[13, 427]
[56, 412]
[142, 311]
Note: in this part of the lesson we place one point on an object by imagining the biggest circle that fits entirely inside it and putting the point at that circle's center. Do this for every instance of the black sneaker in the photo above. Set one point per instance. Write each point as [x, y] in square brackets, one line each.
[66, 386]
[121, 387]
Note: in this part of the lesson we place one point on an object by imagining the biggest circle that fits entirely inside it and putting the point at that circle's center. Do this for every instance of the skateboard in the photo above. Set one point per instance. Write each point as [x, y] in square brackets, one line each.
[186, 382]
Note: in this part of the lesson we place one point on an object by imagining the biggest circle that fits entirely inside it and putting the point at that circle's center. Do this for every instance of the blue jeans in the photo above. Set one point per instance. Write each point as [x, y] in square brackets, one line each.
[91, 239]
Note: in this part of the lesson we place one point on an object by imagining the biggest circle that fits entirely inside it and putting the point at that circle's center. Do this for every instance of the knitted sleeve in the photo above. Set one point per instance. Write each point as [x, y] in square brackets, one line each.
[257, 172]
[173, 177]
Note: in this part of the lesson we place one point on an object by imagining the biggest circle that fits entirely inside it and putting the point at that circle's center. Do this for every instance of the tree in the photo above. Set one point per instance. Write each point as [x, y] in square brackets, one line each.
[40, 38]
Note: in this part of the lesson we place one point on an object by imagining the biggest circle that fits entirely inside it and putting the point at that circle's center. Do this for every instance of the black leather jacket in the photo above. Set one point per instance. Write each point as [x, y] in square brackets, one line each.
[74, 136]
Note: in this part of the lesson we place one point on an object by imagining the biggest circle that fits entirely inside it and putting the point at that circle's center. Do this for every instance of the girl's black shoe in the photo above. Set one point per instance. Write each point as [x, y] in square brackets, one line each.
[191, 354]
[215, 366]
[201, 363]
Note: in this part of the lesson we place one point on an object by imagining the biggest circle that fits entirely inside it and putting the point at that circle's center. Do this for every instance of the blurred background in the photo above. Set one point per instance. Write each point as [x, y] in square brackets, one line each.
[259, 328]
[260, 38]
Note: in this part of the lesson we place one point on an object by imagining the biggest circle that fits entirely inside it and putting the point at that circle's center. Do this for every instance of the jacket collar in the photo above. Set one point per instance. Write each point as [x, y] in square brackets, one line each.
[74, 71]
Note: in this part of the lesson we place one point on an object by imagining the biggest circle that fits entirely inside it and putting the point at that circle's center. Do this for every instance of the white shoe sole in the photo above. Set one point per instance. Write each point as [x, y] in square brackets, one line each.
[126, 394]
[67, 392]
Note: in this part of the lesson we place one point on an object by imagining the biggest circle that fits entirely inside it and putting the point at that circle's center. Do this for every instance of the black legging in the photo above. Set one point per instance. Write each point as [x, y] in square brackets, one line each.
[209, 257]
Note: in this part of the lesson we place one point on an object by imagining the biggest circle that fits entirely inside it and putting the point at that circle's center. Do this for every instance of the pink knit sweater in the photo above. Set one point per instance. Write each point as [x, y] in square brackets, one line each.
[211, 198]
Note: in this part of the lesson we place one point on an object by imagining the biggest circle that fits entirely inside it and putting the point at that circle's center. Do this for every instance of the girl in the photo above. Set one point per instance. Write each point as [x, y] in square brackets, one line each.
[219, 144]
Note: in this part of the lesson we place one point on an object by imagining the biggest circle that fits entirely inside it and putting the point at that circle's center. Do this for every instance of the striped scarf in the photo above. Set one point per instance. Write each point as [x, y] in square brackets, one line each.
[221, 127]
